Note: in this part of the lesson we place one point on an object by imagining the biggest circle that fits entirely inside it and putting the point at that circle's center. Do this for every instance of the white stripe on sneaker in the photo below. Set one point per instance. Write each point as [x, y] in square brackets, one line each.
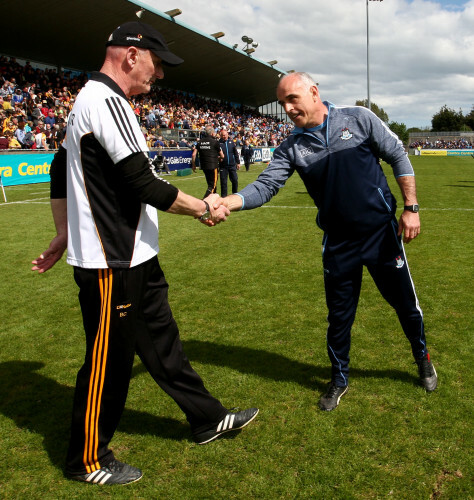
[226, 422]
[106, 477]
[90, 478]
[231, 425]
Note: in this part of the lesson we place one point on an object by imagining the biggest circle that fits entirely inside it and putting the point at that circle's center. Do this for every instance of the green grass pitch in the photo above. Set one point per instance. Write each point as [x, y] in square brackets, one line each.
[248, 297]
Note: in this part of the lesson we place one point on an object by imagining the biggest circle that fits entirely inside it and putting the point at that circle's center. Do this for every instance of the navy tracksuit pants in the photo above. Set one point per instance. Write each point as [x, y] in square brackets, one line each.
[383, 254]
[231, 172]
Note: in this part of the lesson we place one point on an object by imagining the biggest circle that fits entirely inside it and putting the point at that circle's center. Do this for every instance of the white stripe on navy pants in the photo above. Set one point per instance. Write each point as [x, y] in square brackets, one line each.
[383, 254]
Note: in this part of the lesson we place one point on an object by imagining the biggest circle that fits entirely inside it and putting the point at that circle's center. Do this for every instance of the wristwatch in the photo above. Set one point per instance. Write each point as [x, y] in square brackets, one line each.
[207, 213]
[412, 208]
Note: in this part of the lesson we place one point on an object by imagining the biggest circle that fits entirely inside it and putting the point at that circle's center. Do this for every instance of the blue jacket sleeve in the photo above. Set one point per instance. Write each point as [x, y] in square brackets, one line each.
[270, 180]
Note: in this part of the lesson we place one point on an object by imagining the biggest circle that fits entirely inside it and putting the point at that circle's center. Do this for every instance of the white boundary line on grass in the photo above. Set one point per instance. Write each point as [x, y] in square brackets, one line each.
[421, 210]
[38, 201]
[28, 202]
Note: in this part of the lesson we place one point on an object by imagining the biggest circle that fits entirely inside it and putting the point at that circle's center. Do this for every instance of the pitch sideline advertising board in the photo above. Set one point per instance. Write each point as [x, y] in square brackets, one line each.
[259, 155]
[446, 152]
[25, 168]
[32, 168]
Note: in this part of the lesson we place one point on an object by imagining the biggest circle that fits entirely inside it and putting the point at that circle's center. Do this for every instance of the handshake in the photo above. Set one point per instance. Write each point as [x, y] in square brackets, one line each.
[218, 210]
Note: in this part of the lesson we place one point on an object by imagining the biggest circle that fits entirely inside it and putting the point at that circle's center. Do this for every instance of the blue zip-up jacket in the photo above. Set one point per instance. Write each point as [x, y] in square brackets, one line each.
[338, 162]
[231, 155]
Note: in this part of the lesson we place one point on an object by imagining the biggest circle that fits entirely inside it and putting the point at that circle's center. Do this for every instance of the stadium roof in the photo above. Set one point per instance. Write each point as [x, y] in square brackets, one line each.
[72, 34]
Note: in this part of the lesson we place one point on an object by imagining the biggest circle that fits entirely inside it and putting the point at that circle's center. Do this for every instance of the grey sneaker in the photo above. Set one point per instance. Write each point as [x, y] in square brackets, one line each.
[427, 372]
[231, 422]
[330, 400]
[113, 473]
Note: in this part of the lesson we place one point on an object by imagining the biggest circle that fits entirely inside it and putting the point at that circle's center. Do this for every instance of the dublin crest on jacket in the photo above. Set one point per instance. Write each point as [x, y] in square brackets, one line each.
[346, 134]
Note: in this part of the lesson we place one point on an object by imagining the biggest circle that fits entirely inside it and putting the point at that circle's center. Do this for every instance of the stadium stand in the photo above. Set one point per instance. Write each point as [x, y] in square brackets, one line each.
[43, 98]
[442, 140]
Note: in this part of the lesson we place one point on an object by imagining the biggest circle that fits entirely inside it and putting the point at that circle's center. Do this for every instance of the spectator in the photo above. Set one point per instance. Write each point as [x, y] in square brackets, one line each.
[51, 118]
[57, 137]
[12, 141]
[20, 134]
[40, 138]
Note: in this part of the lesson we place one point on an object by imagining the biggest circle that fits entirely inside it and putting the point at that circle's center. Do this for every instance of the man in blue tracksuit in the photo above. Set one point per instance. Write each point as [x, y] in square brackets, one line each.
[336, 152]
[229, 164]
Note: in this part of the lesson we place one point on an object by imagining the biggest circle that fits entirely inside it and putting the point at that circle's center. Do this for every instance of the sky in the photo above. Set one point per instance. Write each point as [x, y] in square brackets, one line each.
[421, 52]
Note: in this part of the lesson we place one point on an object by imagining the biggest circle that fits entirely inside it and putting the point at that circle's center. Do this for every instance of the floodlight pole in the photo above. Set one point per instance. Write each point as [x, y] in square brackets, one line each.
[368, 60]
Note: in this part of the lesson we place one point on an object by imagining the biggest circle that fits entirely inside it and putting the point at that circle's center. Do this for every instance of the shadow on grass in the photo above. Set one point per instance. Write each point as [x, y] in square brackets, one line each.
[41, 405]
[274, 366]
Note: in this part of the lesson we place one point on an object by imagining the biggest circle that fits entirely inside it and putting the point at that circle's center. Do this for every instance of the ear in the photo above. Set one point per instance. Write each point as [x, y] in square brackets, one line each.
[315, 92]
[132, 56]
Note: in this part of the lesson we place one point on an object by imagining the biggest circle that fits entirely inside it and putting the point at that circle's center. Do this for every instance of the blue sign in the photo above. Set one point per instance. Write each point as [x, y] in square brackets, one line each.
[25, 168]
[177, 159]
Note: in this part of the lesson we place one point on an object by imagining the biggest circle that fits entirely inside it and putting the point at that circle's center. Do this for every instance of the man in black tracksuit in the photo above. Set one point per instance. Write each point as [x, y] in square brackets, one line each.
[230, 164]
[209, 155]
[104, 197]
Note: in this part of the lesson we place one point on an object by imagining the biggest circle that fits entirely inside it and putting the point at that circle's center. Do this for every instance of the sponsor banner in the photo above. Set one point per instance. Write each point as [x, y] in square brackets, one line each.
[447, 152]
[24, 168]
[259, 155]
[433, 152]
[177, 159]
[460, 152]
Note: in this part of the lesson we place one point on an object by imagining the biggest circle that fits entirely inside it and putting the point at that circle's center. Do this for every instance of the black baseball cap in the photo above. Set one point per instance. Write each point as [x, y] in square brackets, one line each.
[143, 36]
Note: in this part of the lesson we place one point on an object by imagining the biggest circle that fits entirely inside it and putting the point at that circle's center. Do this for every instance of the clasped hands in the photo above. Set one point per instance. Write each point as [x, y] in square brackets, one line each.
[218, 209]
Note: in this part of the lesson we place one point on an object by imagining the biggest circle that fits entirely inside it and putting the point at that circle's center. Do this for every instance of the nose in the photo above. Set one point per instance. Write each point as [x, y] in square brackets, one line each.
[287, 106]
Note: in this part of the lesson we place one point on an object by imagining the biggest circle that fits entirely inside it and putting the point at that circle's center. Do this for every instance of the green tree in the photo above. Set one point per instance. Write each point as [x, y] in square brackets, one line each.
[400, 129]
[447, 120]
[469, 119]
[378, 111]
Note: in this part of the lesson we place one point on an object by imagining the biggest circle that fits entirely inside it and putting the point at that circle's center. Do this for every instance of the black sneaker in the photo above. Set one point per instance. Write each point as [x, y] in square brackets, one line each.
[428, 376]
[330, 400]
[113, 473]
[231, 422]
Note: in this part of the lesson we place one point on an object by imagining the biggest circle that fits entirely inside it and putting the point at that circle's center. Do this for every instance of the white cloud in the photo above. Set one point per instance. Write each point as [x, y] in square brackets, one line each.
[421, 51]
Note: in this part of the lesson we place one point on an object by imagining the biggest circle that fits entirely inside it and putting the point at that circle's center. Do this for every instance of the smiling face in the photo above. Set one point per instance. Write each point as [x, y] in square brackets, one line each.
[301, 101]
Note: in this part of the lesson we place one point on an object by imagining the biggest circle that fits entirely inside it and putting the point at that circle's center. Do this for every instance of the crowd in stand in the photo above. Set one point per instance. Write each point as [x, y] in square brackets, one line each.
[35, 104]
[442, 144]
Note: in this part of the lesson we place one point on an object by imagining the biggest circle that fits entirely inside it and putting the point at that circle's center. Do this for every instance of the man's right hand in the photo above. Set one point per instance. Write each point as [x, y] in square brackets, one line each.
[219, 211]
[50, 256]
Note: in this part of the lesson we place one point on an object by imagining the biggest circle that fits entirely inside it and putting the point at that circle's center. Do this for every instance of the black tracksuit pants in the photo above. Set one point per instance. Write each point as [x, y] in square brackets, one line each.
[126, 311]
[211, 176]
[384, 256]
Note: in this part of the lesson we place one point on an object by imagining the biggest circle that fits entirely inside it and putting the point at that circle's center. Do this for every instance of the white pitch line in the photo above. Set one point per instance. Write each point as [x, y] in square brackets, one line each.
[421, 210]
[27, 202]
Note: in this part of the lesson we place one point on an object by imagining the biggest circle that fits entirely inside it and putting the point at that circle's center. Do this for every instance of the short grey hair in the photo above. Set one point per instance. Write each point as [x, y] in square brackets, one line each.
[209, 130]
[305, 78]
